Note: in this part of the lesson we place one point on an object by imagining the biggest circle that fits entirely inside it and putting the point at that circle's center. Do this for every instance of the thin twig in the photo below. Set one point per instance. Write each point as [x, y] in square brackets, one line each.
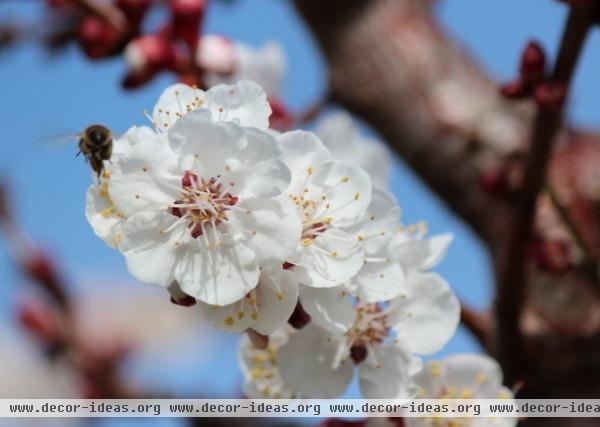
[511, 284]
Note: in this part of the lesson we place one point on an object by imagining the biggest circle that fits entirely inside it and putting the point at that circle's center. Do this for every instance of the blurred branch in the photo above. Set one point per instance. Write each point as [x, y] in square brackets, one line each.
[107, 11]
[478, 323]
[512, 280]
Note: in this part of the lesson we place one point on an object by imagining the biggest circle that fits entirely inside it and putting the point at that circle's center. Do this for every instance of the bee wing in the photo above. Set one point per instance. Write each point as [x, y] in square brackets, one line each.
[57, 141]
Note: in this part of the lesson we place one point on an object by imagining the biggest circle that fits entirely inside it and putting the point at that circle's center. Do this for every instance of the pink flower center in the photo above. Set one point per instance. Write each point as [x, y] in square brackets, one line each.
[202, 203]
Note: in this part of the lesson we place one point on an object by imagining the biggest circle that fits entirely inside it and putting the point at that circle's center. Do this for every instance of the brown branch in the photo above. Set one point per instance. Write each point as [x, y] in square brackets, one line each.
[478, 323]
[511, 282]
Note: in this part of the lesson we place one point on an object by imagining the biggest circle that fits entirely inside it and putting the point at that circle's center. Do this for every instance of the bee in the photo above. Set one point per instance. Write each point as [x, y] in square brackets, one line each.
[96, 144]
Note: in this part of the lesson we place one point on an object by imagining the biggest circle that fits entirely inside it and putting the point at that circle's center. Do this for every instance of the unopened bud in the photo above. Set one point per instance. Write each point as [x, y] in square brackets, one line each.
[150, 52]
[514, 90]
[97, 38]
[41, 269]
[280, 118]
[533, 63]
[551, 255]
[187, 15]
[494, 182]
[550, 95]
[215, 54]
[40, 320]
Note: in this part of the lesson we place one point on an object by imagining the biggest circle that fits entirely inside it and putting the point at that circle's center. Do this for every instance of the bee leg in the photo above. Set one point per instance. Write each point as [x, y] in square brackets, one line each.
[78, 153]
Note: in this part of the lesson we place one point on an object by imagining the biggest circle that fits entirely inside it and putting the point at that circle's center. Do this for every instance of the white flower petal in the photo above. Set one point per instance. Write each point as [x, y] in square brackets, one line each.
[330, 308]
[272, 228]
[104, 218]
[244, 103]
[341, 135]
[437, 248]
[219, 275]
[427, 316]
[176, 101]
[331, 259]
[387, 373]
[306, 364]
[378, 225]
[244, 160]
[140, 178]
[380, 279]
[347, 189]
[417, 253]
[303, 153]
[150, 255]
[265, 309]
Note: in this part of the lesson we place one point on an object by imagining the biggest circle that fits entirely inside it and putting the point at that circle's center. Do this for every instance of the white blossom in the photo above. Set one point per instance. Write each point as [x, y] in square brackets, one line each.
[342, 137]
[380, 339]
[331, 197]
[201, 199]
[462, 376]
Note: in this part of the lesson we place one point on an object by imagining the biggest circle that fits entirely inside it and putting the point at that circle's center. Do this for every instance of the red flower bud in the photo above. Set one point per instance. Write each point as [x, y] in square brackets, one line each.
[514, 90]
[151, 52]
[280, 118]
[551, 255]
[533, 63]
[39, 319]
[133, 80]
[494, 182]
[550, 95]
[187, 15]
[97, 38]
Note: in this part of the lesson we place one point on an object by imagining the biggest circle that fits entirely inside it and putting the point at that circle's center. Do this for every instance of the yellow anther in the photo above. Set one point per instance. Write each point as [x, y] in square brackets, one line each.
[254, 315]
[279, 296]
[333, 253]
[306, 242]
[310, 170]
[240, 315]
[356, 196]
[229, 321]
[345, 179]
[481, 378]
[360, 238]
[107, 212]
[466, 394]
[436, 369]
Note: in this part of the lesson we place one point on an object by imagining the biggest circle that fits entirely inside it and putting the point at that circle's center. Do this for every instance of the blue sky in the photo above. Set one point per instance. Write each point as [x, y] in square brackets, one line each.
[42, 96]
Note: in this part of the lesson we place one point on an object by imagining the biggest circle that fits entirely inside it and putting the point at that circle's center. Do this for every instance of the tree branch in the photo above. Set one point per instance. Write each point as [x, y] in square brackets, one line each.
[512, 280]
[479, 324]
